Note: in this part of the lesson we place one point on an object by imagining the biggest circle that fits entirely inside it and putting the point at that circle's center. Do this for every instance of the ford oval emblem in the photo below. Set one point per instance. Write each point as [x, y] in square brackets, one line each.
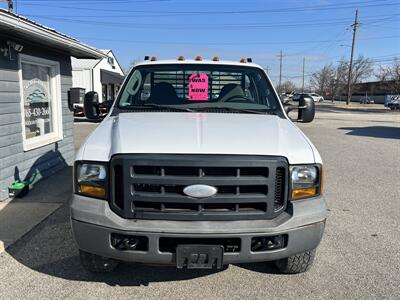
[200, 191]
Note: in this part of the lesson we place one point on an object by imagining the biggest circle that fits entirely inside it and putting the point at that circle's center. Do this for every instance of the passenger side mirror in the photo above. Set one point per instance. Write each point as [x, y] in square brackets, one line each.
[306, 109]
[91, 106]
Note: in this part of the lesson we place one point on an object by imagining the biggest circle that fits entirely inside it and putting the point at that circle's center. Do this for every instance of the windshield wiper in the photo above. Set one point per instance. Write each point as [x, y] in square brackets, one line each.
[232, 109]
[157, 106]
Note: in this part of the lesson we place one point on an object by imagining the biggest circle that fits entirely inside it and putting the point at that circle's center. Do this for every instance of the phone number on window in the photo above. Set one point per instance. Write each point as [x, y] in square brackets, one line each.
[37, 112]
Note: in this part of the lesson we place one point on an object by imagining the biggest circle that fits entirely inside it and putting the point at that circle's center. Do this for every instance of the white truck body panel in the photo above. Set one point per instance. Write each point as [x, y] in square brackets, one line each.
[198, 133]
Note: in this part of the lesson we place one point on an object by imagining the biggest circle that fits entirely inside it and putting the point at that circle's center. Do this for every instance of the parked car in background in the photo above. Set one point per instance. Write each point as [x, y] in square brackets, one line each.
[314, 96]
[393, 105]
[104, 107]
[78, 110]
[367, 100]
[285, 97]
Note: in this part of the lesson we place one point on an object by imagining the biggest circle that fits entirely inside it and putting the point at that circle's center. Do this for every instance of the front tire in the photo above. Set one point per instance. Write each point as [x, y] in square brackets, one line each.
[298, 263]
[96, 263]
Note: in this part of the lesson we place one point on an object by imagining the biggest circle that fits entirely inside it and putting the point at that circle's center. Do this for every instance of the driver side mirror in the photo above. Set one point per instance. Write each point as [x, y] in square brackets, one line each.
[75, 96]
[306, 109]
[91, 106]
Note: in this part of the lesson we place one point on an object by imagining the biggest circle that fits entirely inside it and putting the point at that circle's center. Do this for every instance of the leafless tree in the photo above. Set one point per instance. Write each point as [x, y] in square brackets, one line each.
[131, 65]
[362, 69]
[390, 76]
[339, 80]
[331, 81]
[288, 86]
[322, 80]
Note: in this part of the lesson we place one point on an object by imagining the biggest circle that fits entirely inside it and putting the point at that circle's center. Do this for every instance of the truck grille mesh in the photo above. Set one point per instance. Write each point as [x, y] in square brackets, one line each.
[151, 186]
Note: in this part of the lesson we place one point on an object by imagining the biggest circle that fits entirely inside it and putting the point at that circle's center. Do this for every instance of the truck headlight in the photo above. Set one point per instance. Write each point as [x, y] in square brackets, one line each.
[306, 181]
[91, 179]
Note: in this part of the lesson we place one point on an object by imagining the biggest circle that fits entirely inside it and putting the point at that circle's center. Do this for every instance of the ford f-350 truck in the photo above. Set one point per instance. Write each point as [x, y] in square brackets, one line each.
[198, 165]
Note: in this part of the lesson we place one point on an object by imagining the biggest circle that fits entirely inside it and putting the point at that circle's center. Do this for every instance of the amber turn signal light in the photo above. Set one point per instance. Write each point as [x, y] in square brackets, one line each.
[93, 191]
[304, 193]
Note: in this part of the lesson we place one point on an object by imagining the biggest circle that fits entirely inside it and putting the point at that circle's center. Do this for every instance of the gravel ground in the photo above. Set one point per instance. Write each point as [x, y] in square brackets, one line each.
[358, 258]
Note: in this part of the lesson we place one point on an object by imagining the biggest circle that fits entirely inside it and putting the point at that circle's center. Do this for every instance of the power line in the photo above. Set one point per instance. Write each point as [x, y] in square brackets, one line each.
[221, 26]
[350, 5]
[107, 2]
[236, 43]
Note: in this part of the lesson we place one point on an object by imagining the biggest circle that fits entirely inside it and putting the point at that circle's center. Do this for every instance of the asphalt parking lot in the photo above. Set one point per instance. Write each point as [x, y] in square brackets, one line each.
[359, 256]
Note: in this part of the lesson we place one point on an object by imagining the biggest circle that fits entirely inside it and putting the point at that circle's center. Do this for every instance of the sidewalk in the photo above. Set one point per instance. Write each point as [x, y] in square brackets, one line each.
[19, 216]
[352, 107]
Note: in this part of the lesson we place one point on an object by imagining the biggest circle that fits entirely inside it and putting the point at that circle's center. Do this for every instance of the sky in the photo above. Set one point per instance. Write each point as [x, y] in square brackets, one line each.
[319, 30]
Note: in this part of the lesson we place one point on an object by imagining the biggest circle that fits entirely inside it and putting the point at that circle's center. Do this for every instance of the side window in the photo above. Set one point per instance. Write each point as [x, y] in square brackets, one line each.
[249, 88]
[131, 91]
[41, 101]
[146, 91]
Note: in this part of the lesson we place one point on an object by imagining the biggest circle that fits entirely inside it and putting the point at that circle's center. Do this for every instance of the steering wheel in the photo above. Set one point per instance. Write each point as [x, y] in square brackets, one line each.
[237, 99]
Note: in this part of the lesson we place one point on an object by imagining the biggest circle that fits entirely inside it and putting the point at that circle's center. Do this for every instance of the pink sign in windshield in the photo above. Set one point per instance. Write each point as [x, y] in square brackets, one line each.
[198, 87]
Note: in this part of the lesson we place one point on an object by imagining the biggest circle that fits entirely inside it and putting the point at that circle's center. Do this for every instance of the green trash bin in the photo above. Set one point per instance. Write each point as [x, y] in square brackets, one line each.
[18, 189]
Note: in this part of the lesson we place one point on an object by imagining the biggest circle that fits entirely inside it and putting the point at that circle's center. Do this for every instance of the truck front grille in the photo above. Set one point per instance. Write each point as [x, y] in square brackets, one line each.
[151, 186]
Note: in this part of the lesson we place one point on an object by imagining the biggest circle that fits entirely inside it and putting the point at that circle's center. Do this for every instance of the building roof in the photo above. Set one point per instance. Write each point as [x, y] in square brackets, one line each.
[88, 64]
[83, 63]
[27, 29]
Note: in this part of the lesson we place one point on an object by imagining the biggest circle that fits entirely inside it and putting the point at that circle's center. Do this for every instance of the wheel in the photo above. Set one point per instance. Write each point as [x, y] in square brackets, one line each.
[96, 263]
[298, 263]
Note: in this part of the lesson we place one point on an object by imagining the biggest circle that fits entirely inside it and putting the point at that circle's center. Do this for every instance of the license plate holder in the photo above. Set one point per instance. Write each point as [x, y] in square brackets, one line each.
[199, 256]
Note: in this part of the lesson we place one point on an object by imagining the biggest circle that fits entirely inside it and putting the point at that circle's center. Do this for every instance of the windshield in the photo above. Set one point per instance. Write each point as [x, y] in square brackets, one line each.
[195, 87]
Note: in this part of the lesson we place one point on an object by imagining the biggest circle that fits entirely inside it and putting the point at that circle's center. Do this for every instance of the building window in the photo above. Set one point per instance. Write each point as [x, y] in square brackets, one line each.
[116, 91]
[104, 92]
[41, 101]
[112, 92]
[110, 61]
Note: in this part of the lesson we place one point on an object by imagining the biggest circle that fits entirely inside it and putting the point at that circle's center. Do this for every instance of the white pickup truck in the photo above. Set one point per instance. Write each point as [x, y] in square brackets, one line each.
[198, 165]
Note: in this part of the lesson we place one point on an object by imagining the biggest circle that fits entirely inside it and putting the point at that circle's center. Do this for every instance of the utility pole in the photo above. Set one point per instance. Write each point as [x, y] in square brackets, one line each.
[354, 25]
[304, 65]
[280, 71]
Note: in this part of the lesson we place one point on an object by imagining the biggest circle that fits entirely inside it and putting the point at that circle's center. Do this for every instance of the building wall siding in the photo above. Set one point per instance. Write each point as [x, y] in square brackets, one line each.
[82, 79]
[41, 162]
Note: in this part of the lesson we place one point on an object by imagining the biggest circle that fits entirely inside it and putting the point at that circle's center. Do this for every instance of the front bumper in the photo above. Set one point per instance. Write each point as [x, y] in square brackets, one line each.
[93, 222]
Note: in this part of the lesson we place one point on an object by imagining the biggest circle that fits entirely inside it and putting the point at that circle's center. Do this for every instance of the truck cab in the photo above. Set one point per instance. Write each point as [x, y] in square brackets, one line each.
[198, 165]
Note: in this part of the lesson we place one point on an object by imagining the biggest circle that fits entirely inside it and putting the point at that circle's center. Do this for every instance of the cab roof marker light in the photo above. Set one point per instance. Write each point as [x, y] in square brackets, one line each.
[198, 58]
[153, 58]
[215, 58]
[146, 57]
[249, 60]
[181, 58]
[243, 60]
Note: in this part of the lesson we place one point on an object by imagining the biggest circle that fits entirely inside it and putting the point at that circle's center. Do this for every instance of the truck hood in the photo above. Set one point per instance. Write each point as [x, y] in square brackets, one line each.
[197, 133]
